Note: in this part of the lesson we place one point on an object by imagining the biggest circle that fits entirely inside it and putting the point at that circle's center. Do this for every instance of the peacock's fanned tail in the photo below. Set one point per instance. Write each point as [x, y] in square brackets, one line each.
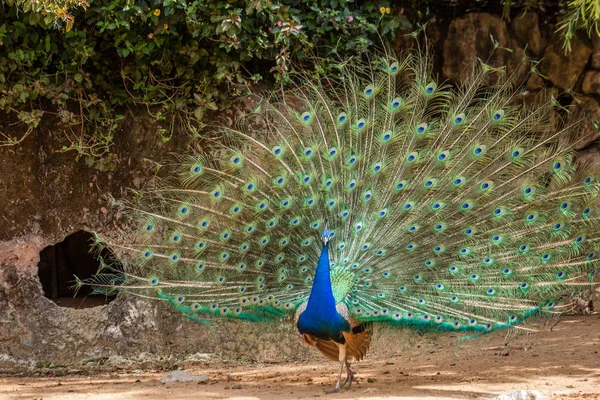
[450, 209]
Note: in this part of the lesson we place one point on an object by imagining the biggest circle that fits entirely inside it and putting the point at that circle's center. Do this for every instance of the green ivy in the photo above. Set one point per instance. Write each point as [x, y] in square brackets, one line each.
[182, 57]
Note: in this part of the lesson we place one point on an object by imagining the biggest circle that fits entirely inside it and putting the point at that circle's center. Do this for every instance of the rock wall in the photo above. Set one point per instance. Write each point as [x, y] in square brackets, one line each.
[45, 196]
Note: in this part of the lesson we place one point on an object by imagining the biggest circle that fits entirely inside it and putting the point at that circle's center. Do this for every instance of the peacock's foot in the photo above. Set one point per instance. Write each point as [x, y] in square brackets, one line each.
[349, 379]
[336, 389]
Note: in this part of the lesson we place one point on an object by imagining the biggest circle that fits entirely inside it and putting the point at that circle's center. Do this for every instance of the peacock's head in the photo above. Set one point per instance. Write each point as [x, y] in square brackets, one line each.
[326, 235]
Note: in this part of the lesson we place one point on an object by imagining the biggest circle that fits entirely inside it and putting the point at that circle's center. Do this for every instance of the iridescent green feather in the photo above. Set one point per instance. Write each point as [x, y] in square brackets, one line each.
[451, 209]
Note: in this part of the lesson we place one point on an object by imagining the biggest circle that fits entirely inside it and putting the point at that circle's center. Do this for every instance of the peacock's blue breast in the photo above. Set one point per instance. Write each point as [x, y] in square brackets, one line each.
[324, 323]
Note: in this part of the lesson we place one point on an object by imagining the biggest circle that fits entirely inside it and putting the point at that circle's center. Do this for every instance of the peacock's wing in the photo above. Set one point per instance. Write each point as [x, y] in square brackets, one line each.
[449, 209]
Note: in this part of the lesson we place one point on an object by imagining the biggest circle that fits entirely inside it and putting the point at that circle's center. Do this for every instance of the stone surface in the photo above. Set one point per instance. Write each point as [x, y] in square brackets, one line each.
[468, 38]
[182, 376]
[526, 29]
[522, 395]
[591, 82]
[52, 195]
[595, 59]
[535, 82]
[586, 110]
[564, 69]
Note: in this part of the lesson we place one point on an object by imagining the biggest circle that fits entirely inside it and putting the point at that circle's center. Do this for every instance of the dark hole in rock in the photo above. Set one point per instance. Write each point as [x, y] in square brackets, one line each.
[60, 263]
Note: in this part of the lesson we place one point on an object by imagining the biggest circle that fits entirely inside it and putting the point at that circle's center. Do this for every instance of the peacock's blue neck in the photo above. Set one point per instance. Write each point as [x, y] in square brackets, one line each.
[321, 295]
[320, 318]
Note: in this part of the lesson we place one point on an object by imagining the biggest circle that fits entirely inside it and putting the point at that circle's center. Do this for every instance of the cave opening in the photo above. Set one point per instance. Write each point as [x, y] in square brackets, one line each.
[74, 256]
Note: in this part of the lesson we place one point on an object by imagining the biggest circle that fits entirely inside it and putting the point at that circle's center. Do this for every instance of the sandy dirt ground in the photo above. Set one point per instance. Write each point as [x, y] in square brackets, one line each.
[560, 363]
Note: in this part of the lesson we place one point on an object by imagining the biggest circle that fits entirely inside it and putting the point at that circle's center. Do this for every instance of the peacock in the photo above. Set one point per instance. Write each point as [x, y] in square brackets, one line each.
[371, 195]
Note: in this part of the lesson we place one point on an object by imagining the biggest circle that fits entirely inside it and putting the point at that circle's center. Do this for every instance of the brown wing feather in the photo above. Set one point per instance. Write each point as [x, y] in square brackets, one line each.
[357, 345]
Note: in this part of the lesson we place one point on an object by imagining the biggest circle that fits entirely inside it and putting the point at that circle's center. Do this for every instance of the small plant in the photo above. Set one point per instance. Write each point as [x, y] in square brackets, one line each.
[581, 15]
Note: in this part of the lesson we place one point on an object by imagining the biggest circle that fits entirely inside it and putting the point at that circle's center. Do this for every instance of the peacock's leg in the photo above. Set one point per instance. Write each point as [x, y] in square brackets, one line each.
[349, 376]
[342, 358]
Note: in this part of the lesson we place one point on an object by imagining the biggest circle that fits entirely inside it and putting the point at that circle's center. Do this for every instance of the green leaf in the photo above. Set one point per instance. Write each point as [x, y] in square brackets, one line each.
[199, 113]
